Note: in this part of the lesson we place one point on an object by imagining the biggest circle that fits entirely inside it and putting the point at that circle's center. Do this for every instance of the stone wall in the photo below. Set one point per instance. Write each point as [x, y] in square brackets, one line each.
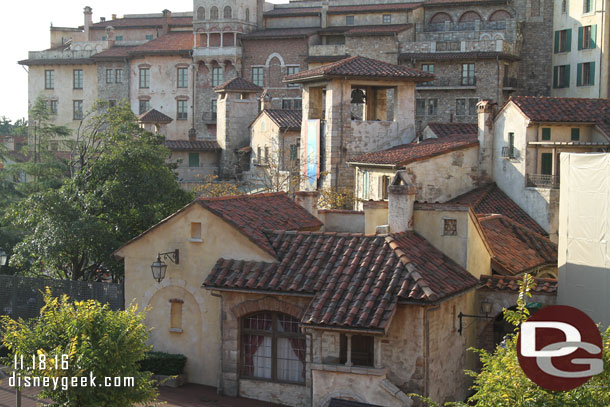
[116, 91]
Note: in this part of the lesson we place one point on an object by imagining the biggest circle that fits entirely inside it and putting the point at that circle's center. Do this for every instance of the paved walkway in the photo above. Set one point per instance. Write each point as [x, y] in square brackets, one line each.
[190, 395]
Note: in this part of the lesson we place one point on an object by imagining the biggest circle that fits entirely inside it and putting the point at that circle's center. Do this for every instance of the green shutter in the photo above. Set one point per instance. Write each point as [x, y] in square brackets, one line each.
[566, 79]
[546, 163]
[546, 133]
[575, 136]
[593, 36]
[556, 41]
[193, 159]
[568, 46]
[591, 73]
[579, 37]
[555, 76]
[578, 74]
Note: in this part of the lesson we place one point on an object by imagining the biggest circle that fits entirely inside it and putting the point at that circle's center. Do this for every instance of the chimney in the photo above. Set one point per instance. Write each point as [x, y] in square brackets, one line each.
[88, 21]
[485, 112]
[102, 19]
[192, 134]
[401, 199]
[110, 36]
[266, 100]
[167, 17]
[323, 16]
[308, 200]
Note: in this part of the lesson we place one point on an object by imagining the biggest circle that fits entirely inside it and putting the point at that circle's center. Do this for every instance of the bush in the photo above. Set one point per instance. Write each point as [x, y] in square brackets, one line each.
[161, 363]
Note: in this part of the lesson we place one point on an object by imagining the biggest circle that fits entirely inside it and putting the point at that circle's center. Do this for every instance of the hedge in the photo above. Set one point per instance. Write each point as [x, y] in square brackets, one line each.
[162, 363]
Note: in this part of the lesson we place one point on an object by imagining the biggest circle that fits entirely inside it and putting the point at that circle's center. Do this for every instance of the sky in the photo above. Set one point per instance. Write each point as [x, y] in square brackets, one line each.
[24, 26]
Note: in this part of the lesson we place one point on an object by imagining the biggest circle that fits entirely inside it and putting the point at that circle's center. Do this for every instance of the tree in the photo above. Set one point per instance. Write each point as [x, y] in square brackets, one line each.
[85, 339]
[121, 186]
[212, 187]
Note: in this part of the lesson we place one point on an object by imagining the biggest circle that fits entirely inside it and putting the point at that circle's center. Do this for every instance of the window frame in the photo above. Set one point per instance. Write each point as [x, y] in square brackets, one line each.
[588, 6]
[343, 350]
[545, 134]
[575, 134]
[274, 334]
[182, 77]
[109, 75]
[258, 76]
[422, 109]
[143, 102]
[432, 107]
[49, 78]
[77, 79]
[53, 106]
[217, 76]
[194, 158]
[350, 20]
[462, 111]
[118, 75]
[449, 227]
[291, 70]
[386, 19]
[80, 115]
[182, 109]
[149, 37]
[468, 77]
[144, 78]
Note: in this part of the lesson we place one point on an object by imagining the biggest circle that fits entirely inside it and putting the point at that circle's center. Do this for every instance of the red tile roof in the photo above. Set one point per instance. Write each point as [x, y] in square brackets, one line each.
[377, 29]
[154, 116]
[238, 85]
[444, 3]
[361, 67]
[275, 33]
[490, 199]
[407, 153]
[285, 119]
[194, 145]
[450, 129]
[356, 280]
[436, 56]
[356, 8]
[115, 52]
[144, 22]
[511, 283]
[564, 110]
[516, 249]
[170, 43]
[252, 214]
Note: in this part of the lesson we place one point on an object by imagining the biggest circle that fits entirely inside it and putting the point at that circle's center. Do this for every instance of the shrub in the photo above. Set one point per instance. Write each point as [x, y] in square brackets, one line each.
[161, 363]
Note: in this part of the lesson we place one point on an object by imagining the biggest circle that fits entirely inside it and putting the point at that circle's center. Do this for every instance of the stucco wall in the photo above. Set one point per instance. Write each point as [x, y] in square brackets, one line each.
[479, 256]
[199, 340]
[337, 220]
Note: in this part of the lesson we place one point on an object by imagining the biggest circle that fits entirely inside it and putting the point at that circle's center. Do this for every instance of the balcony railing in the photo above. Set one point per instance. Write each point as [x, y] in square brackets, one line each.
[510, 83]
[449, 82]
[543, 181]
[508, 152]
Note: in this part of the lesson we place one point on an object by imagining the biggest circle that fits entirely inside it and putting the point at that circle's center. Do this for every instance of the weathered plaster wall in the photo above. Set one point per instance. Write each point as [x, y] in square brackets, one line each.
[479, 256]
[337, 220]
[428, 222]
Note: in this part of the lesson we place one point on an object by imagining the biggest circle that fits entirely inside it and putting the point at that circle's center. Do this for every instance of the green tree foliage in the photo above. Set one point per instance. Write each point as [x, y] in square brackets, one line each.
[98, 342]
[120, 186]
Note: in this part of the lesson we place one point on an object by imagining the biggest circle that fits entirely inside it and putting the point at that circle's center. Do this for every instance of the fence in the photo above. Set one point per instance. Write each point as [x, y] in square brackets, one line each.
[21, 297]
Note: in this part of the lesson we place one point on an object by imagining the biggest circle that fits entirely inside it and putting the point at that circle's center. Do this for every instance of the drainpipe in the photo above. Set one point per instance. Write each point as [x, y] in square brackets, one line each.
[340, 140]
[601, 59]
[193, 92]
[498, 82]
[219, 377]
[426, 321]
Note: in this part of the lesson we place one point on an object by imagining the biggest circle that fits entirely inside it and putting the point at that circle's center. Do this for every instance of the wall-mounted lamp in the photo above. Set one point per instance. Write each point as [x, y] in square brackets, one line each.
[158, 267]
[3, 257]
[486, 307]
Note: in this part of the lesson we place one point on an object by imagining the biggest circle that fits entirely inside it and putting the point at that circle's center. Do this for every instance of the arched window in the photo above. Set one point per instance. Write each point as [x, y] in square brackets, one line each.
[200, 13]
[470, 16]
[214, 13]
[564, 6]
[227, 13]
[247, 14]
[500, 15]
[272, 339]
[440, 18]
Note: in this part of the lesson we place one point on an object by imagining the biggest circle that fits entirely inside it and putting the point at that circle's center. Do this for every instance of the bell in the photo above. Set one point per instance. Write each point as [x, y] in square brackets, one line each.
[358, 96]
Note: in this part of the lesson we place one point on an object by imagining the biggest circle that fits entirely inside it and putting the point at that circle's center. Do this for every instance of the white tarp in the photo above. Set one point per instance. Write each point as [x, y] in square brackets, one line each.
[584, 233]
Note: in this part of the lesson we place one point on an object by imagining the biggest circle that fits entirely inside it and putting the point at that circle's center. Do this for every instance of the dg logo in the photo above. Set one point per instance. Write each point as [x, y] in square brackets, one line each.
[559, 348]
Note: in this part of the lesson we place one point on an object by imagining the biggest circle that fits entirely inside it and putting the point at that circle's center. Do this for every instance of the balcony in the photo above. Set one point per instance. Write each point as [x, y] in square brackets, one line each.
[448, 83]
[465, 26]
[508, 152]
[229, 51]
[543, 181]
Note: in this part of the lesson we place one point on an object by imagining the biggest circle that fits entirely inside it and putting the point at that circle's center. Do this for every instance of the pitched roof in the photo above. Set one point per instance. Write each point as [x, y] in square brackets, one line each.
[154, 116]
[356, 280]
[285, 119]
[564, 110]
[451, 129]
[490, 199]
[170, 43]
[377, 29]
[252, 214]
[511, 283]
[276, 33]
[407, 153]
[116, 52]
[238, 84]
[355, 8]
[516, 249]
[361, 67]
[194, 145]
[144, 22]
[436, 56]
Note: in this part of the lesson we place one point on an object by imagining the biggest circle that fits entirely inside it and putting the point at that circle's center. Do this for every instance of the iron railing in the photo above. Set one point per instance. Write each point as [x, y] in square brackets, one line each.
[543, 181]
[508, 152]
[510, 82]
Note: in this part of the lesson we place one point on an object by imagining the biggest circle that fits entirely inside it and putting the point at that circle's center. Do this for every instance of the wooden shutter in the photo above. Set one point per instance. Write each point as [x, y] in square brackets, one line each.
[578, 74]
[546, 163]
[556, 41]
[593, 36]
[575, 134]
[555, 76]
[591, 73]
[546, 133]
[568, 45]
[580, 37]
[566, 79]
[193, 159]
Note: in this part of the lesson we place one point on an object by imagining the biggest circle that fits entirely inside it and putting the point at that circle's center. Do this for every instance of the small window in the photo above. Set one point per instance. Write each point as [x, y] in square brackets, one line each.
[298, 104]
[468, 77]
[77, 109]
[546, 133]
[109, 75]
[53, 106]
[561, 76]
[432, 107]
[214, 107]
[182, 109]
[472, 106]
[78, 78]
[449, 227]
[363, 347]
[385, 184]
[227, 13]
[193, 160]
[258, 76]
[575, 134]
[144, 78]
[149, 37]
[266, 154]
[49, 79]
[365, 184]
[119, 38]
[349, 20]
[460, 107]
[430, 69]
[420, 107]
[183, 77]
[196, 231]
[247, 15]
[587, 6]
[217, 76]
[291, 70]
[118, 75]
[214, 13]
[387, 19]
[564, 6]
[294, 152]
[175, 319]
[144, 106]
[259, 156]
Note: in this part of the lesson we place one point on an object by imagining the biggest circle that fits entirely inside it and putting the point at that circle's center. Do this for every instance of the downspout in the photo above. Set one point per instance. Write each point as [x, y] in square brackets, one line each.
[499, 84]
[601, 59]
[427, 310]
[340, 140]
[219, 376]
[193, 91]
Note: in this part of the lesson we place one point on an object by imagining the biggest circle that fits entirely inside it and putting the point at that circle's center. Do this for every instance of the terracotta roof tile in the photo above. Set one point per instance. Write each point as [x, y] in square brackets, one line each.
[178, 41]
[490, 199]
[436, 56]
[238, 84]
[356, 280]
[154, 116]
[516, 249]
[449, 129]
[348, 403]
[361, 67]
[194, 145]
[114, 52]
[407, 153]
[511, 283]
[378, 29]
[279, 33]
[285, 119]
[252, 214]
[140, 22]
[355, 8]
